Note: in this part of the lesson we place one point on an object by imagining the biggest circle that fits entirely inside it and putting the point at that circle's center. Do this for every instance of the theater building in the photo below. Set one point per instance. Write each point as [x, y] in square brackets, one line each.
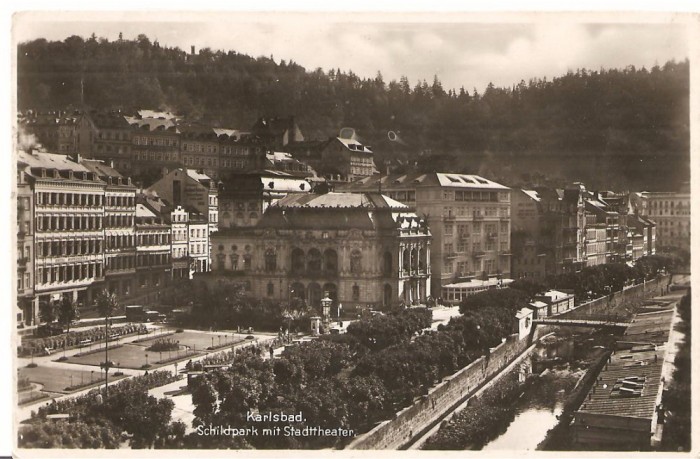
[365, 249]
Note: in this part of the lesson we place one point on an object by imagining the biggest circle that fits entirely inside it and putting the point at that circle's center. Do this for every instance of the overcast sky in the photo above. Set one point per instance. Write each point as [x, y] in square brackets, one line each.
[457, 49]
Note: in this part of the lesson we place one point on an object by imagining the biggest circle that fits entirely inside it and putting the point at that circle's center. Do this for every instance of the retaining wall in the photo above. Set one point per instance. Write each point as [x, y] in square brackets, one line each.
[603, 305]
[412, 420]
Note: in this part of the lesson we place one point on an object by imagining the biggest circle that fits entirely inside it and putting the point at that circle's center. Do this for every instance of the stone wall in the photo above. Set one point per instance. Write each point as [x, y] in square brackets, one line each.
[414, 419]
[603, 305]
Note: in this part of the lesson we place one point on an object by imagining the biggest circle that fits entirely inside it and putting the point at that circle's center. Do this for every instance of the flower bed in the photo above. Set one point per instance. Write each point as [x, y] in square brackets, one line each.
[152, 337]
[164, 345]
[75, 339]
[95, 351]
[177, 357]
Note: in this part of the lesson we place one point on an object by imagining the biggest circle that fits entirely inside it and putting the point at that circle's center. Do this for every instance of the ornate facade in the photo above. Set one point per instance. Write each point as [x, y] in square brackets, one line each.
[366, 250]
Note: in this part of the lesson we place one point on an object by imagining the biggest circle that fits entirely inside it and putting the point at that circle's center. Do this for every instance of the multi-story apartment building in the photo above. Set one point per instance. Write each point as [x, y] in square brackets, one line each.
[199, 242]
[596, 241]
[468, 215]
[179, 223]
[54, 129]
[153, 249]
[671, 213]
[362, 249]
[69, 210]
[549, 231]
[243, 198]
[239, 152]
[119, 228]
[110, 136]
[648, 230]
[198, 195]
[26, 313]
[346, 160]
[200, 148]
[155, 143]
[615, 237]
[528, 252]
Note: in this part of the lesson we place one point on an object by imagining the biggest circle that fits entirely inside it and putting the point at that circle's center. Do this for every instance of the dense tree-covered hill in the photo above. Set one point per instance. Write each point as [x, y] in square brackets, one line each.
[610, 128]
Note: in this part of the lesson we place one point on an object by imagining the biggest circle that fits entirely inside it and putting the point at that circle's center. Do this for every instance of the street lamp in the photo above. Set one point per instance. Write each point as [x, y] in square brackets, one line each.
[146, 359]
[326, 306]
[340, 310]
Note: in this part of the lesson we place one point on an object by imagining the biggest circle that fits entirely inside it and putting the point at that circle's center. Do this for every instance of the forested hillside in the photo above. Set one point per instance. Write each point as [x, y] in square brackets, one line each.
[610, 128]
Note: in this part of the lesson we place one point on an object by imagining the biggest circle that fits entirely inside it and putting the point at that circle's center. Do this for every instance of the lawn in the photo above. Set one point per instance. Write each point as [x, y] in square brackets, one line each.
[198, 341]
[127, 356]
[57, 379]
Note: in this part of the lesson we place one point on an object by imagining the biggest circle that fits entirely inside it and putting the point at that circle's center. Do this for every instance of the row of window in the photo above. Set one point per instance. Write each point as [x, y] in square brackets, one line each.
[69, 223]
[198, 232]
[403, 196]
[120, 201]
[69, 199]
[109, 135]
[118, 149]
[476, 212]
[669, 204]
[155, 141]
[460, 195]
[68, 273]
[152, 259]
[464, 268]
[69, 247]
[465, 229]
[119, 262]
[119, 241]
[155, 156]
[147, 239]
[119, 221]
[199, 249]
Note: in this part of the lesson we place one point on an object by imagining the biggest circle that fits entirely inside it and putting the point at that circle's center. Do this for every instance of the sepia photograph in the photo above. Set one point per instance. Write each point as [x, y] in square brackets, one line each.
[351, 231]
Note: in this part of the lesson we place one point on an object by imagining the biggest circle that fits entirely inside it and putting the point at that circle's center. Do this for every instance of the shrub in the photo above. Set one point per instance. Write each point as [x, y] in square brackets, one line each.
[164, 344]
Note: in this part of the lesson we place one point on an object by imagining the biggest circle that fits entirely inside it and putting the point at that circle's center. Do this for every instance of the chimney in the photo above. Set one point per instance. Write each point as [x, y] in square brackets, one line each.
[111, 163]
[192, 50]
[78, 158]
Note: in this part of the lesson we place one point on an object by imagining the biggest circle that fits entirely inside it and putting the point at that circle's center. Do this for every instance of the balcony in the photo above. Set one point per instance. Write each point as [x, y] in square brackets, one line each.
[450, 255]
[477, 217]
[450, 217]
[478, 254]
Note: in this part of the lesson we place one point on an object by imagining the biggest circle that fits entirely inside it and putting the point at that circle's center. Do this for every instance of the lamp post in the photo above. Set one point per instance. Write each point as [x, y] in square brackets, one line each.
[326, 306]
[340, 310]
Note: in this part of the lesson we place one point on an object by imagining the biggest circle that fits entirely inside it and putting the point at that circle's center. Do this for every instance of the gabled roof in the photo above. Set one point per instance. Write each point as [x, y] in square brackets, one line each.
[100, 168]
[40, 159]
[152, 124]
[532, 194]
[143, 212]
[354, 145]
[339, 200]
[413, 180]
[198, 176]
